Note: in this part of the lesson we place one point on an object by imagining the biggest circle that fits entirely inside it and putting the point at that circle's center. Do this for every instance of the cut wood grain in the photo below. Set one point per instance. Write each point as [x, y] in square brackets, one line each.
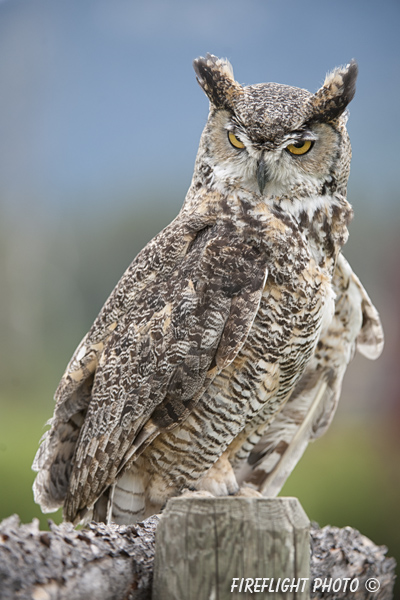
[220, 547]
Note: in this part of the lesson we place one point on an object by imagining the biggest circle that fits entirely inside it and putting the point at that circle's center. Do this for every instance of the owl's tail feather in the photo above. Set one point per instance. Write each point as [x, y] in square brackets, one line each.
[126, 502]
[53, 463]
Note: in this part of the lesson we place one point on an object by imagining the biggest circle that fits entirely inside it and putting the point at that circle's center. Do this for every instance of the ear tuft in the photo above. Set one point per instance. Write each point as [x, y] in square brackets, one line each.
[338, 90]
[215, 76]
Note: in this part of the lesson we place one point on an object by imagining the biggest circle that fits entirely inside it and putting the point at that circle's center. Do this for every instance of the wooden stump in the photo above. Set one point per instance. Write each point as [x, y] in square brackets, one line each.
[115, 562]
[220, 548]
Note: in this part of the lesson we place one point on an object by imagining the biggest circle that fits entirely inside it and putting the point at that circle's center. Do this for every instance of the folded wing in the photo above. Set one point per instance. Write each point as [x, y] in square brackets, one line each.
[160, 355]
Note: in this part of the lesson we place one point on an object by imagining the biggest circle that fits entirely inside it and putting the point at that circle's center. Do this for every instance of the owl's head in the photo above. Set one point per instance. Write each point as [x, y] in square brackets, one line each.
[276, 140]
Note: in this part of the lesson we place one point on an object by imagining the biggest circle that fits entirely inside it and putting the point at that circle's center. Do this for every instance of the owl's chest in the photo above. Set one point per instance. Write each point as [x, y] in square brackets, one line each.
[296, 304]
[279, 345]
[292, 313]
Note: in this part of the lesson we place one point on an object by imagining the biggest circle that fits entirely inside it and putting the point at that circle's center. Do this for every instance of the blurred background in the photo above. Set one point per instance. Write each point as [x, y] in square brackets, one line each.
[100, 118]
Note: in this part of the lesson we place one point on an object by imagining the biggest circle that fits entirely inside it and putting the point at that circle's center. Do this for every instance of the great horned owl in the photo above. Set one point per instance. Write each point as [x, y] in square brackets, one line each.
[221, 351]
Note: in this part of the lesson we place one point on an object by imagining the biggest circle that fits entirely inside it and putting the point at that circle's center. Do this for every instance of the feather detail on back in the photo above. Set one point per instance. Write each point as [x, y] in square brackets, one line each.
[370, 340]
[312, 405]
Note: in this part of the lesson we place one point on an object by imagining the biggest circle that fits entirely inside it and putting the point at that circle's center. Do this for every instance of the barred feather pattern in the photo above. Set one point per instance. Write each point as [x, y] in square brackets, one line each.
[269, 454]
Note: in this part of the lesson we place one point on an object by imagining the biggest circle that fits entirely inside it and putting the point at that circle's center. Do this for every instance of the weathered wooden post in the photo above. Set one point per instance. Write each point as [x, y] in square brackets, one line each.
[220, 548]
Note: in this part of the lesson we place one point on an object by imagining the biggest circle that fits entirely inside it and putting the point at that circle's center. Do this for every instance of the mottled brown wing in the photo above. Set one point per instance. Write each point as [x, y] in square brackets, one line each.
[310, 409]
[178, 334]
[158, 259]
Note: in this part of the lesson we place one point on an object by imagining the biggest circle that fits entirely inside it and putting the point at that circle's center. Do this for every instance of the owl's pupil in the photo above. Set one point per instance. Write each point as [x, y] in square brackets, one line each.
[298, 144]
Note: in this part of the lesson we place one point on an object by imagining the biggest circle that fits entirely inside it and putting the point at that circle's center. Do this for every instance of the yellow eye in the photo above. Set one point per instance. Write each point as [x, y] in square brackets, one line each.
[234, 140]
[300, 147]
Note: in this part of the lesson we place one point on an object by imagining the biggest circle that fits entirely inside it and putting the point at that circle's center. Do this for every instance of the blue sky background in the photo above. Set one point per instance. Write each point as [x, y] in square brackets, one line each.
[98, 98]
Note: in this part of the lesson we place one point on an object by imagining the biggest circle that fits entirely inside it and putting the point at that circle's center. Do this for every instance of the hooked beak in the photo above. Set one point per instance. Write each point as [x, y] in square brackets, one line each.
[262, 174]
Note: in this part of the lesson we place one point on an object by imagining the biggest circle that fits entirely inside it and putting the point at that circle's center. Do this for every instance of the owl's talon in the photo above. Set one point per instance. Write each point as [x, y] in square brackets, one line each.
[196, 494]
[248, 492]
